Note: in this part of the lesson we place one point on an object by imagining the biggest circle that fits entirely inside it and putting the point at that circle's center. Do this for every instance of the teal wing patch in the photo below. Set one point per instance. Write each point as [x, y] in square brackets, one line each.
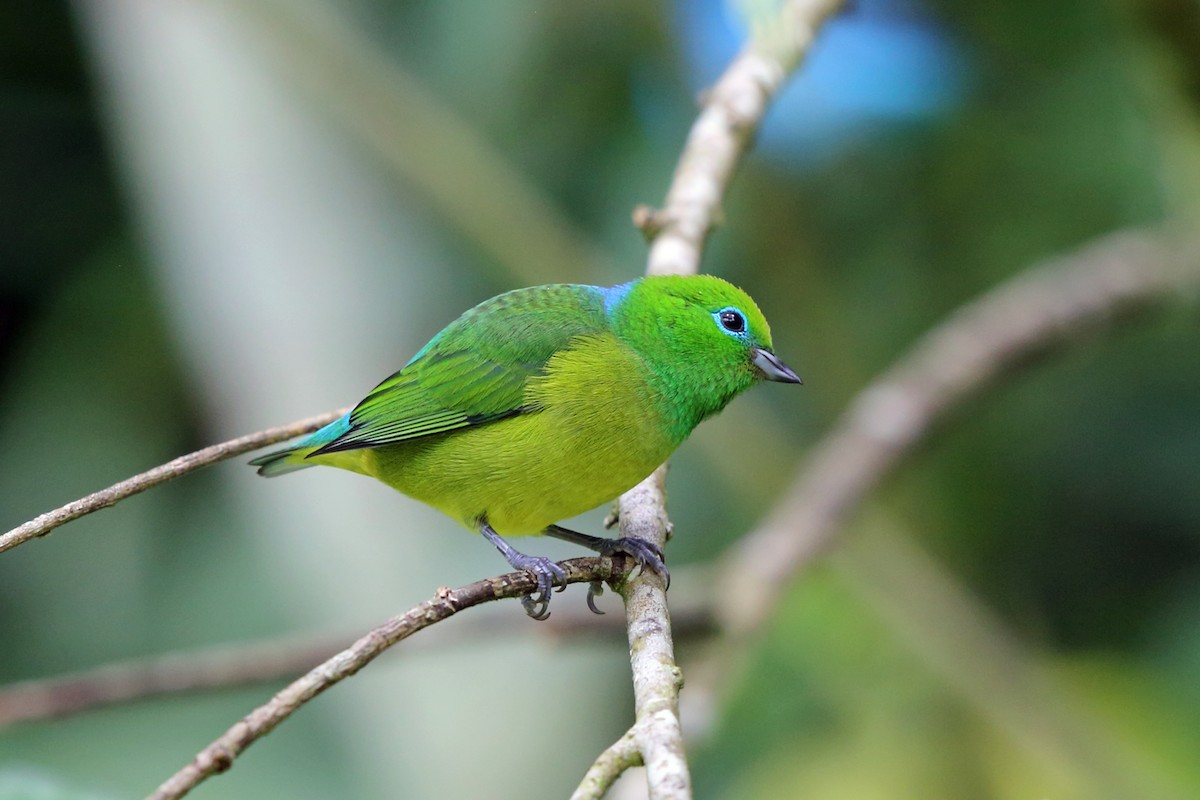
[476, 369]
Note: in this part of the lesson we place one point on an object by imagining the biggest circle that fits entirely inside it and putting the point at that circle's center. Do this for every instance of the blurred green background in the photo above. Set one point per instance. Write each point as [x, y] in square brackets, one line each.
[220, 216]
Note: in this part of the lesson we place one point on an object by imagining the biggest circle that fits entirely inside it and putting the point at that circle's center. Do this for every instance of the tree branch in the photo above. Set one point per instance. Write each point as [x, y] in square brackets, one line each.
[237, 665]
[42, 525]
[980, 344]
[176, 673]
[656, 678]
[733, 110]
[608, 766]
[732, 113]
[220, 755]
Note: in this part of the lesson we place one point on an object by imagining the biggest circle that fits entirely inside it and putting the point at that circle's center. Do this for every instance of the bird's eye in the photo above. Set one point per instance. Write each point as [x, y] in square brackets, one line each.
[732, 320]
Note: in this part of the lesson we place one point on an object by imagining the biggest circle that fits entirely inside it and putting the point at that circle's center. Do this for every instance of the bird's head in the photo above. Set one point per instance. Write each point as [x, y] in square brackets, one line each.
[704, 338]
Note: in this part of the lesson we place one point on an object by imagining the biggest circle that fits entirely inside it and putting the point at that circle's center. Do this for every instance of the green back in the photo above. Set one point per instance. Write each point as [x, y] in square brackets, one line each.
[475, 370]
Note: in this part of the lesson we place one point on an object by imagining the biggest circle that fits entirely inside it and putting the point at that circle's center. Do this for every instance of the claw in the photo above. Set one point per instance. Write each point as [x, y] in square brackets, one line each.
[547, 573]
[536, 609]
[647, 554]
[595, 589]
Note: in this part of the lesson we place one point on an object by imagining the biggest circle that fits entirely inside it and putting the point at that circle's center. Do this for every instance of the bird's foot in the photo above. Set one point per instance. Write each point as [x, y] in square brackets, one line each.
[544, 571]
[647, 554]
[547, 573]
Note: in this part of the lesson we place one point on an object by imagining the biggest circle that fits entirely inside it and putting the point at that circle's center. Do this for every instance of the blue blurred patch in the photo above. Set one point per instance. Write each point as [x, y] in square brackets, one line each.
[878, 65]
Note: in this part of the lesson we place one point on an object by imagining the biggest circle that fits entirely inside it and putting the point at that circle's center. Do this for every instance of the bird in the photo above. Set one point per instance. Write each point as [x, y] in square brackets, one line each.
[545, 402]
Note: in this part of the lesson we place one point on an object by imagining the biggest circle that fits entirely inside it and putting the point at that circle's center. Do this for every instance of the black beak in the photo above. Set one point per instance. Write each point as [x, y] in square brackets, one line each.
[772, 368]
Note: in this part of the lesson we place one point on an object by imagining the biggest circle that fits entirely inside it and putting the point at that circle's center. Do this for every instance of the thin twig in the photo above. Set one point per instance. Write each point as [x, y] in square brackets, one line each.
[41, 525]
[220, 755]
[608, 766]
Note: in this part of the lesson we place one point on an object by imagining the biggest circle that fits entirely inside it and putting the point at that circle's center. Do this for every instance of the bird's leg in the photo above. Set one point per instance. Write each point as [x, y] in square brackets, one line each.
[543, 569]
[646, 554]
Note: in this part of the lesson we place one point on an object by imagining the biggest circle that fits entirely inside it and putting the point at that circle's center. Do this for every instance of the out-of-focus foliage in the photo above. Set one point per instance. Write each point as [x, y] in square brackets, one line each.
[199, 238]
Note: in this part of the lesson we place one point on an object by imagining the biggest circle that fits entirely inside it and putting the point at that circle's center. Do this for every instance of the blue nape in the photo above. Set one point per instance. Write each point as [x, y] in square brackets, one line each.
[614, 295]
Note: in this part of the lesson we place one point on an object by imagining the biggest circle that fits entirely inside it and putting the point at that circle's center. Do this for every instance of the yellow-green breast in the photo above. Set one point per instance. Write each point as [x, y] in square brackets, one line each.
[582, 448]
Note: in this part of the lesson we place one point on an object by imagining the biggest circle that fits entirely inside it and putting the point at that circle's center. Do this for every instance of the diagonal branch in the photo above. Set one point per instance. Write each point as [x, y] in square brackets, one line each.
[220, 755]
[41, 525]
[733, 110]
[980, 344]
[608, 766]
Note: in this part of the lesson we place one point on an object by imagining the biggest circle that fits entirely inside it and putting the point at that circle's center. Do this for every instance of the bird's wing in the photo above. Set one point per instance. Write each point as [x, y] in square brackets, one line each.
[475, 370]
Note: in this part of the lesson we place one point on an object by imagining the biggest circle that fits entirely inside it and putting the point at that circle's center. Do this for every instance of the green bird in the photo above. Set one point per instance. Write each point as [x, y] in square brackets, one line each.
[545, 402]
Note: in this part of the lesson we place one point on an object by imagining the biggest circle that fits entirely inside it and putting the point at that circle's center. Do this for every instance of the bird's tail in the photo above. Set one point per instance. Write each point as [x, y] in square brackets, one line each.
[281, 462]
